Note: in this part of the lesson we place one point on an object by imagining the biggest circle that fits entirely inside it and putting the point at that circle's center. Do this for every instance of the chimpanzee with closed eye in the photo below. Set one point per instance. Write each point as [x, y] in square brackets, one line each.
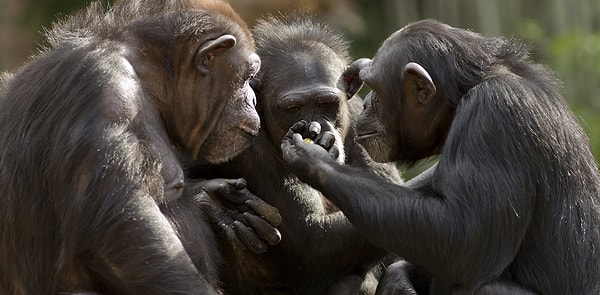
[94, 129]
[513, 205]
[302, 60]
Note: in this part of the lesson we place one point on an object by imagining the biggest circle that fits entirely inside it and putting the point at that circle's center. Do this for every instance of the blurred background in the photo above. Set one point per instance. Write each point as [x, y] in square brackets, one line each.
[565, 34]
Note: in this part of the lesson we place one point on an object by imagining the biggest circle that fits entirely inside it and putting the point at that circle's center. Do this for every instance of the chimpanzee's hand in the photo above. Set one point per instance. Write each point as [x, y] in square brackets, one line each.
[304, 145]
[350, 80]
[246, 221]
[398, 279]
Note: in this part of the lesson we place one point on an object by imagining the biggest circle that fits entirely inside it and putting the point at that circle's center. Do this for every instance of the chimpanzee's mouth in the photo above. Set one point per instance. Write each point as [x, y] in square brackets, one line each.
[253, 132]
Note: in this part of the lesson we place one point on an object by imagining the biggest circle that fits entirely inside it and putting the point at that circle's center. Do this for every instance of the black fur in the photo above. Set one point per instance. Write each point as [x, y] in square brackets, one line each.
[86, 135]
[515, 195]
[302, 59]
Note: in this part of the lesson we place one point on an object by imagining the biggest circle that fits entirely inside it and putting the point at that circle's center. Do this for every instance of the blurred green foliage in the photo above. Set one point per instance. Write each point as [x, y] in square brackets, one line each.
[575, 57]
[44, 12]
[566, 42]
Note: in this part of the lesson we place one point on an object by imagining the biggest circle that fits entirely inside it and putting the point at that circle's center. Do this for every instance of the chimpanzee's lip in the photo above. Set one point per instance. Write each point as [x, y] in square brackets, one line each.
[253, 132]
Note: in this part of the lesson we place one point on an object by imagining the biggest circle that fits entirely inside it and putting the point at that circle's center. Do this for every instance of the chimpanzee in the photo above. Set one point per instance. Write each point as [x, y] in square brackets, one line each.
[302, 60]
[93, 131]
[4, 78]
[511, 207]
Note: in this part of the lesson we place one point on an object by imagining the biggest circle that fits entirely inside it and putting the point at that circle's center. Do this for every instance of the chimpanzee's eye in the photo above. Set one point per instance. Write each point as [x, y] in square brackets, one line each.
[293, 109]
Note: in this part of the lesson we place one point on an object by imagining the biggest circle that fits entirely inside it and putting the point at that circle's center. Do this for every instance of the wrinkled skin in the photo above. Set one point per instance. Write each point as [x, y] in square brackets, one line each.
[244, 219]
[512, 206]
[320, 251]
[94, 129]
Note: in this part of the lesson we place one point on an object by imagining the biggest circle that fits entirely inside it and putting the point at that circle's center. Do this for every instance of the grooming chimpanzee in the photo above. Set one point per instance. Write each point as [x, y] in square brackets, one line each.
[512, 204]
[92, 133]
[302, 59]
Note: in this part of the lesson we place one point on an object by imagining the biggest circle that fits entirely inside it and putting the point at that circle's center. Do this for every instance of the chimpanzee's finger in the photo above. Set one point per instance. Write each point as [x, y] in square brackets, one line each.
[231, 235]
[326, 140]
[334, 152]
[237, 193]
[289, 136]
[299, 127]
[249, 238]
[266, 211]
[240, 184]
[298, 140]
[314, 129]
[264, 230]
[350, 80]
[216, 186]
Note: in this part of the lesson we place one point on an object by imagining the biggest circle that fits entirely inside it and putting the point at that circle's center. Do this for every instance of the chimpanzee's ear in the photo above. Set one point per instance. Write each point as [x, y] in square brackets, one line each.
[417, 83]
[205, 56]
[350, 81]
